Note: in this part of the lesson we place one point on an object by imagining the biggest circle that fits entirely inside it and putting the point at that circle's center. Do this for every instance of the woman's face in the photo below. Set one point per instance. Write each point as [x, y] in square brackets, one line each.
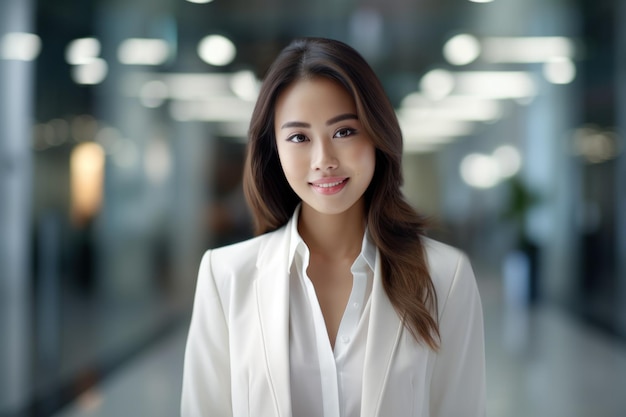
[325, 153]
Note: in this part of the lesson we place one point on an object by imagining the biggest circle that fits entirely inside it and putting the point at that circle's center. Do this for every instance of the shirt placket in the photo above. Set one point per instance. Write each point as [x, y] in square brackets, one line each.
[328, 369]
[330, 361]
[352, 314]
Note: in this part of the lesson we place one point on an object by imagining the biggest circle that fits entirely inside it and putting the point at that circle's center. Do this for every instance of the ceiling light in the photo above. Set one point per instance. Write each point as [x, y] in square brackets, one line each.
[526, 49]
[221, 109]
[225, 109]
[20, 46]
[461, 49]
[184, 86]
[93, 72]
[470, 108]
[495, 84]
[81, 51]
[245, 85]
[559, 70]
[437, 83]
[480, 171]
[217, 50]
[138, 51]
[509, 160]
[434, 130]
[416, 147]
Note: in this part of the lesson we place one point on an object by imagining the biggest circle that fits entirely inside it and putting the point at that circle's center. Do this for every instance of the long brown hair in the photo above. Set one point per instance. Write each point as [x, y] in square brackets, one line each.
[396, 228]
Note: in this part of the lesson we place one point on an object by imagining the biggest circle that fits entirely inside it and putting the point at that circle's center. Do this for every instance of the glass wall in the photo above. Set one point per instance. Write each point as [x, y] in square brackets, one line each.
[122, 137]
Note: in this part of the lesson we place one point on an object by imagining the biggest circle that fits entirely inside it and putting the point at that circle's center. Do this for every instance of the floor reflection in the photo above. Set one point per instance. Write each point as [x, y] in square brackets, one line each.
[542, 361]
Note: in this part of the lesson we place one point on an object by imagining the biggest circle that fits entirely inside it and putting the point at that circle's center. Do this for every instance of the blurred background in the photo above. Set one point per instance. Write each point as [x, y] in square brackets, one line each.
[122, 136]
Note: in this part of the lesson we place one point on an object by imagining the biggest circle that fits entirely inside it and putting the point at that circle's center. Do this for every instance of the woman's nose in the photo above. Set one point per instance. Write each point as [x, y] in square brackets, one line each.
[323, 158]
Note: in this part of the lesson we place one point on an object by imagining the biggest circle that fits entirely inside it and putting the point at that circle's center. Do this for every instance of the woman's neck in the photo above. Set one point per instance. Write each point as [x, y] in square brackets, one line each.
[333, 236]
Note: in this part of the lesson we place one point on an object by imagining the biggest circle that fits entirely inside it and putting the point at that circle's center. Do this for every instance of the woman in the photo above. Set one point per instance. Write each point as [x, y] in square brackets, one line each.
[341, 306]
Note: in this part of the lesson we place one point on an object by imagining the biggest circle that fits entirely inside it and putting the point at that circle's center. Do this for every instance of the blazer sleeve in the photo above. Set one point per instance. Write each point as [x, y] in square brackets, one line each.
[458, 384]
[206, 389]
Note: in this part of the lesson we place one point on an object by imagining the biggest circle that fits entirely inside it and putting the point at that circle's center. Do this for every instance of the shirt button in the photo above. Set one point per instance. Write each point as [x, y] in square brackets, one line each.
[345, 339]
[355, 305]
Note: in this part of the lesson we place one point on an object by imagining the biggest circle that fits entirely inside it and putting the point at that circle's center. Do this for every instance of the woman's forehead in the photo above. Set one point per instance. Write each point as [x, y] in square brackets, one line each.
[318, 96]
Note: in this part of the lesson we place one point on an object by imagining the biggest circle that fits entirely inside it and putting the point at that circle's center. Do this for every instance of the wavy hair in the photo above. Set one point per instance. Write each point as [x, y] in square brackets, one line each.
[395, 227]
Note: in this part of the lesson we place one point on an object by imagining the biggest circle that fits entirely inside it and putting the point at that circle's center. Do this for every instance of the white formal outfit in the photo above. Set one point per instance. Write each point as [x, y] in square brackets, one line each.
[325, 381]
[258, 345]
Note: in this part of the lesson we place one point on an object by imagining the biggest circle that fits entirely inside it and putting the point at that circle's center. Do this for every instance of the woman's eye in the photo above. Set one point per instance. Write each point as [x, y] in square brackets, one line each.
[342, 133]
[296, 138]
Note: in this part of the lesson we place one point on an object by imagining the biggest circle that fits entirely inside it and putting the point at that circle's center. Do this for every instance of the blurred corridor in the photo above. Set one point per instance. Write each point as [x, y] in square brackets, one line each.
[122, 137]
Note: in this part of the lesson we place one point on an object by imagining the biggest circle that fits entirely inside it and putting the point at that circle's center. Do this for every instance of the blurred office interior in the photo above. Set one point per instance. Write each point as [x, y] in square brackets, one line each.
[122, 136]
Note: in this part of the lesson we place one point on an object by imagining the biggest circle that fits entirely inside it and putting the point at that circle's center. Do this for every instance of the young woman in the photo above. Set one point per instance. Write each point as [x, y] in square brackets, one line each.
[341, 306]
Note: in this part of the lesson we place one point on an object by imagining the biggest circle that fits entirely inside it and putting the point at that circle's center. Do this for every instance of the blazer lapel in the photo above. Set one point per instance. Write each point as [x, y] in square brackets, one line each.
[272, 290]
[383, 334]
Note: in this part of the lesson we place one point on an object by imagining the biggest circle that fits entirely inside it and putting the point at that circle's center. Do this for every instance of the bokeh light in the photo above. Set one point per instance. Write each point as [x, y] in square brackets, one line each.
[217, 50]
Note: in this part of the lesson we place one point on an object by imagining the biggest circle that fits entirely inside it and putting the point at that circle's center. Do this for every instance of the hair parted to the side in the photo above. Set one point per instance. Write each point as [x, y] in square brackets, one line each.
[395, 227]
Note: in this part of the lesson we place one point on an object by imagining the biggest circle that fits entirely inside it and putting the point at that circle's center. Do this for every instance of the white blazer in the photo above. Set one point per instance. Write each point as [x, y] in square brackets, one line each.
[237, 354]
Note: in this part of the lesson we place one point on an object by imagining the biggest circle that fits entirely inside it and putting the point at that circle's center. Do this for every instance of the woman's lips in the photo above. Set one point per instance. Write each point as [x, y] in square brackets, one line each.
[328, 186]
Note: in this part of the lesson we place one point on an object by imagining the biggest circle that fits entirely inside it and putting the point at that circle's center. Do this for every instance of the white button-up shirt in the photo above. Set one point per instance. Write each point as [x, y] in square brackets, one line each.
[327, 382]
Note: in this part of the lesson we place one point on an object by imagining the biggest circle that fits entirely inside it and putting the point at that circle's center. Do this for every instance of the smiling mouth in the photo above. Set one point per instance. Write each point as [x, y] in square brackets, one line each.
[330, 184]
[330, 188]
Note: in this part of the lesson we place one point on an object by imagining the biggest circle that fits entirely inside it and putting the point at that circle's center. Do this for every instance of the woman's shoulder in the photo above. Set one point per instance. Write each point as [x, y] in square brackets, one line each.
[240, 256]
[239, 252]
[440, 254]
[448, 266]
[229, 268]
[240, 248]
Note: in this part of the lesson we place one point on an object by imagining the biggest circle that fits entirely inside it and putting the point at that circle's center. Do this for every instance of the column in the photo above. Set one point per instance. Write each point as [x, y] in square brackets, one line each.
[16, 84]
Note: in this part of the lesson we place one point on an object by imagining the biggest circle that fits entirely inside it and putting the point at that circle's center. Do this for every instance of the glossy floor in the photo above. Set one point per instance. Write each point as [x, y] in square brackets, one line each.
[540, 362]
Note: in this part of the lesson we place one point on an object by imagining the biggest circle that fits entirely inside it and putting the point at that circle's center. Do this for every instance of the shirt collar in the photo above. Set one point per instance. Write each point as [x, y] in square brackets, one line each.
[368, 250]
[297, 245]
[295, 240]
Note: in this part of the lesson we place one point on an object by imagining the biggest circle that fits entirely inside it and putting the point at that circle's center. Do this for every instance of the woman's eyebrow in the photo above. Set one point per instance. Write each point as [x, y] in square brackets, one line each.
[295, 124]
[342, 117]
